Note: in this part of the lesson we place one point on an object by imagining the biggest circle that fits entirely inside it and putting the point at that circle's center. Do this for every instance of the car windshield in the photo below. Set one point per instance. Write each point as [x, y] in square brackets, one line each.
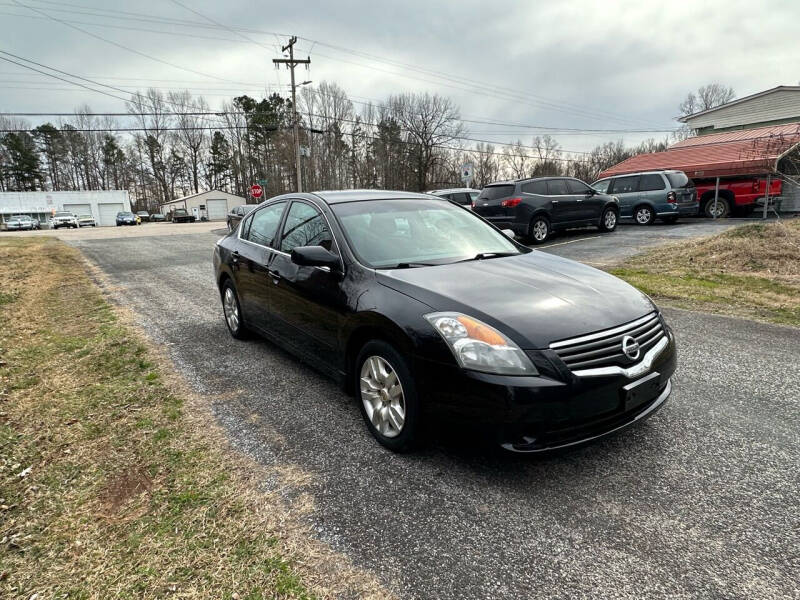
[414, 232]
[678, 180]
[19, 217]
[85, 217]
[124, 214]
[63, 214]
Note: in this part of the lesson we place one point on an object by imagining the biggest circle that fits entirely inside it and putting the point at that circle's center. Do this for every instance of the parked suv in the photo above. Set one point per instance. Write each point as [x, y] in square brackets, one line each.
[463, 196]
[534, 208]
[64, 219]
[644, 197]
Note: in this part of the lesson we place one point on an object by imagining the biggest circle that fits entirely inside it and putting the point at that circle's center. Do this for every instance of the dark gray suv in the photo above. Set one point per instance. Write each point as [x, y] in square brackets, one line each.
[534, 208]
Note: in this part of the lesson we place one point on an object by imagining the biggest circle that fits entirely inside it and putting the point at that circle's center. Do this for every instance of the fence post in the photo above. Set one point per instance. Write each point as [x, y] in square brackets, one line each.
[766, 198]
[716, 195]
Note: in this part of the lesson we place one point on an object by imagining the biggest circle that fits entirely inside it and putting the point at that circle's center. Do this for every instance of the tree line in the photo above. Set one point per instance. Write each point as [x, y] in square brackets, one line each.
[169, 145]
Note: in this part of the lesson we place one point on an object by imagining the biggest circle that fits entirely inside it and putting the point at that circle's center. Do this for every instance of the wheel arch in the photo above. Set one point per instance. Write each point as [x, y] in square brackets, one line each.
[372, 327]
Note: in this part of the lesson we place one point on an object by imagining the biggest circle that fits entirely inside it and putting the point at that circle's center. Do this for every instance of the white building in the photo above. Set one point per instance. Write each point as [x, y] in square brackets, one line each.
[213, 205]
[102, 205]
[775, 106]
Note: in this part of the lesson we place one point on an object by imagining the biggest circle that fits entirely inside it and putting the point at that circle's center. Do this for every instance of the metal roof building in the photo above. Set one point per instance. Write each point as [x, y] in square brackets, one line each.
[742, 152]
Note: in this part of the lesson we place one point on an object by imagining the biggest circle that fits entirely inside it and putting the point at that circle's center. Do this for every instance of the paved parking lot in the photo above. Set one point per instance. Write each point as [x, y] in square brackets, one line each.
[700, 501]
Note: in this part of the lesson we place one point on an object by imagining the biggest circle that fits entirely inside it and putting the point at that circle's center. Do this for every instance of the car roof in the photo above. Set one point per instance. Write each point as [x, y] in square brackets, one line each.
[339, 196]
[448, 190]
[649, 172]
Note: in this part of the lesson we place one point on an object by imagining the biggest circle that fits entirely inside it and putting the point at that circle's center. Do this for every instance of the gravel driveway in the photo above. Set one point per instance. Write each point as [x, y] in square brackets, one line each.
[700, 501]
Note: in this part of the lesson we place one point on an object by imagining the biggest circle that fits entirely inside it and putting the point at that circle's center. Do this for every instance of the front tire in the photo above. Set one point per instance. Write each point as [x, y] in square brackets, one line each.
[608, 221]
[644, 215]
[387, 396]
[232, 311]
[539, 230]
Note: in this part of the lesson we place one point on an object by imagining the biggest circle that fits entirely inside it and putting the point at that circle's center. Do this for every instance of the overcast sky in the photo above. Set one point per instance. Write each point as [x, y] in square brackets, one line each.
[566, 64]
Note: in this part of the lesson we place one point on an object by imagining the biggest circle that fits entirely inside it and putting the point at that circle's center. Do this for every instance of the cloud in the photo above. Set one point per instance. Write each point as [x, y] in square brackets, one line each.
[580, 64]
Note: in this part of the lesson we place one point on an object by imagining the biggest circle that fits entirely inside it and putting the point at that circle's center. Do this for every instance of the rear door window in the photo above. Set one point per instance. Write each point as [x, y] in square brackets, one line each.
[493, 192]
[461, 198]
[535, 187]
[625, 185]
[652, 182]
[557, 187]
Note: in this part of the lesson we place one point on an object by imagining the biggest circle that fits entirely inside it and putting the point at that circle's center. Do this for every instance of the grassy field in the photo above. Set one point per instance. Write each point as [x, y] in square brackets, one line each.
[114, 483]
[751, 271]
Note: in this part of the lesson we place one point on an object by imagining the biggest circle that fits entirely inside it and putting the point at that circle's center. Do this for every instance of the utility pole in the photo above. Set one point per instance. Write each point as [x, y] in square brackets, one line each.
[291, 63]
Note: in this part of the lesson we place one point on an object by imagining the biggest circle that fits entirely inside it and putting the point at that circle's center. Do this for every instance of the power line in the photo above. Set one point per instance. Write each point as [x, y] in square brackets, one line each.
[480, 88]
[118, 45]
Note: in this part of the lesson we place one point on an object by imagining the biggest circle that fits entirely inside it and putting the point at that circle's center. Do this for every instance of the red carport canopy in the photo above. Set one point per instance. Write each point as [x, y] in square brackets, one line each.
[743, 152]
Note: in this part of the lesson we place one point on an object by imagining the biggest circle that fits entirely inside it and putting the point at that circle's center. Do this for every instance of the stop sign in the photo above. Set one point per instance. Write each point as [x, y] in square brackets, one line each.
[256, 191]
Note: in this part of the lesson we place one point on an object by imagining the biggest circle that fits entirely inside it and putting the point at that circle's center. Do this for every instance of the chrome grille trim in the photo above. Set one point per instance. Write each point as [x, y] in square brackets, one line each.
[604, 348]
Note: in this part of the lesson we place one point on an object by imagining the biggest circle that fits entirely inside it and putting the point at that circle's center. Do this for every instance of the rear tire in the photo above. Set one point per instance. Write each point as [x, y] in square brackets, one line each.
[387, 396]
[232, 311]
[723, 208]
[608, 220]
[643, 215]
[539, 230]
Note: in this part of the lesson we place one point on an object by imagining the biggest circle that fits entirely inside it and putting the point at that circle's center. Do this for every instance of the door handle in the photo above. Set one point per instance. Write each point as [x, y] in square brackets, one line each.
[555, 201]
[276, 277]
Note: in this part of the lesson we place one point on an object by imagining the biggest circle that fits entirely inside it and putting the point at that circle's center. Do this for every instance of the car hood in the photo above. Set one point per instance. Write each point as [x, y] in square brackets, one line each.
[534, 298]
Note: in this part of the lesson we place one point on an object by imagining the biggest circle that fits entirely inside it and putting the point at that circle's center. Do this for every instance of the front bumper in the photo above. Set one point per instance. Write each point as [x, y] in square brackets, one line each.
[558, 409]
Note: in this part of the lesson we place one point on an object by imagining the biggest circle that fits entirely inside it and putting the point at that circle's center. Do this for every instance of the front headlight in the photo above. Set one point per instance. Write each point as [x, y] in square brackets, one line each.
[479, 347]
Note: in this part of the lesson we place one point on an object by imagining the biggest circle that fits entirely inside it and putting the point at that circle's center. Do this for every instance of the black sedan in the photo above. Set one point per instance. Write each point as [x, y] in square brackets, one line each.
[424, 310]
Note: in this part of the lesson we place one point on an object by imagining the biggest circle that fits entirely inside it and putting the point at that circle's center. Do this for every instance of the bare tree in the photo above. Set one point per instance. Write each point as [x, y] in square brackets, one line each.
[191, 136]
[151, 113]
[707, 96]
[430, 121]
[516, 161]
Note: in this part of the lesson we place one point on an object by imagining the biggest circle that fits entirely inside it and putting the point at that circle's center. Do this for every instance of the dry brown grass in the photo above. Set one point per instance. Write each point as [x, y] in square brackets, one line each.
[114, 482]
[752, 270]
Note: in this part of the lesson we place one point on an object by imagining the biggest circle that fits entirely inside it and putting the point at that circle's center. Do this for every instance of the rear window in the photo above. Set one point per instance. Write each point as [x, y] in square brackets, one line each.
[679, 180]
[493, 192]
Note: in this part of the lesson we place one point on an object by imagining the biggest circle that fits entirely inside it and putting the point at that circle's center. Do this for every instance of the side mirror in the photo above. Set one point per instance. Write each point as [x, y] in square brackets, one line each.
[509, 233]
[591, 192]
[315, 256]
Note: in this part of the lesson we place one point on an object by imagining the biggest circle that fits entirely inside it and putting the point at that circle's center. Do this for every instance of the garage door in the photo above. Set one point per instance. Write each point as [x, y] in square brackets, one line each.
[217, 210]
[79, 209]
[108, 213]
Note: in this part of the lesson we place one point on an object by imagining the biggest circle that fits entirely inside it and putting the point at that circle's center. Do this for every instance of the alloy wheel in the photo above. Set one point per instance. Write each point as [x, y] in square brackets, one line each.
[540, 230]
[610, 220]
[231, 309]
[643, 216]
[382, 396]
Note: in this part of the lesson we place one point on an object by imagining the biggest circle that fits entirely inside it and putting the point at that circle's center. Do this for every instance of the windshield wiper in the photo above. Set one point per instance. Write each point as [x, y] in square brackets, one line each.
[482, 255]
[408, 265]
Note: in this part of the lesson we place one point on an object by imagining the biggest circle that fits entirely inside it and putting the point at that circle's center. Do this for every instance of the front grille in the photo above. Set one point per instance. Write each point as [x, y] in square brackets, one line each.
[604, 348]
